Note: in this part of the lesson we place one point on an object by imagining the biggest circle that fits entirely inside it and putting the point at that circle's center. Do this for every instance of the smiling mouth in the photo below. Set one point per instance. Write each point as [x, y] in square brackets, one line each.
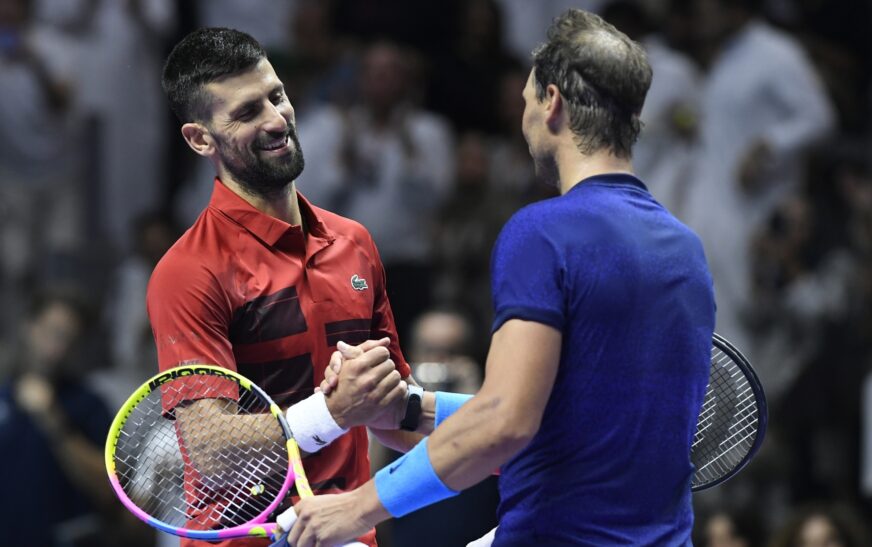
[276, 144]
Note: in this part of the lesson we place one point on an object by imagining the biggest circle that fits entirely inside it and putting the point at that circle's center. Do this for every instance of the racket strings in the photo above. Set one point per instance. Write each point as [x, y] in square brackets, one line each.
[197, 474]
[728, 422]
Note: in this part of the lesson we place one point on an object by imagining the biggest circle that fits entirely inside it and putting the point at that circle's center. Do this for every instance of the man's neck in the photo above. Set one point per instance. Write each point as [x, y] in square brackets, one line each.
[281, 204]
[573, 167]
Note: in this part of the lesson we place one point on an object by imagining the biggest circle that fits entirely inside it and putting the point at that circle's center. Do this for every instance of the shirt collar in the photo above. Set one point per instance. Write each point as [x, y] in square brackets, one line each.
[617, 179]
[265, 227]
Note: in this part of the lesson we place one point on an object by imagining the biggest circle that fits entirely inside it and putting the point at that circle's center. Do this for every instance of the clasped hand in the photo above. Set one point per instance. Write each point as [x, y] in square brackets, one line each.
[363, 387]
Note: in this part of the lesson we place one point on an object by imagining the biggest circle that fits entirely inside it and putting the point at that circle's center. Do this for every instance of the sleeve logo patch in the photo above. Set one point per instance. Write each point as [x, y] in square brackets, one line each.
[358, 283]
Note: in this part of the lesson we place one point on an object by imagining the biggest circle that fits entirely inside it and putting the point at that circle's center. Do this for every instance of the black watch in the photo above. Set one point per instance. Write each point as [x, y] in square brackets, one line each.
[413, 409]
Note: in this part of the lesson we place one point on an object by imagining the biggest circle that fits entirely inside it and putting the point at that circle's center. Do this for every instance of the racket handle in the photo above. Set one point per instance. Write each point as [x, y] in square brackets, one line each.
[287, 519]
[283, 542]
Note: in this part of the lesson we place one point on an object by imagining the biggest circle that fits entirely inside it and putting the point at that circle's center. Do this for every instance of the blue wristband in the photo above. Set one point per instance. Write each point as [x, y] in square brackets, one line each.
[410, 483]
[447, 404]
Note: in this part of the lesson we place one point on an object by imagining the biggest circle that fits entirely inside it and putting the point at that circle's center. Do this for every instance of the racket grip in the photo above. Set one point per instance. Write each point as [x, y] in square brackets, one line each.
[286, 521]
[283, 542]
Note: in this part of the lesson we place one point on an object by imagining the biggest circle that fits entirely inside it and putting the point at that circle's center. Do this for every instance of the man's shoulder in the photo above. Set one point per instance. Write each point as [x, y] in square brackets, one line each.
[197, 253]
[550, 213]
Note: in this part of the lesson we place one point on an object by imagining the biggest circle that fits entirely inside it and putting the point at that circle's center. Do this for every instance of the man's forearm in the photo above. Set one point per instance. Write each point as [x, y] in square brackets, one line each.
[480, 437]
[463, 451]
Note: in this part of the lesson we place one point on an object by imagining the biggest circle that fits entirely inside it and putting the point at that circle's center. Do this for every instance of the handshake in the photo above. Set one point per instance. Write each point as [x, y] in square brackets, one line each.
[361, 386]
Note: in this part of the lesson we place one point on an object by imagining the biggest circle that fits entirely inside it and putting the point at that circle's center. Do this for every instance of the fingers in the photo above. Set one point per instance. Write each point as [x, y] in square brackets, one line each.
[350, 352]
[369, 344]
[331, 374]
[371, 357]
[300, 536]
[384, 392]
[347, 352]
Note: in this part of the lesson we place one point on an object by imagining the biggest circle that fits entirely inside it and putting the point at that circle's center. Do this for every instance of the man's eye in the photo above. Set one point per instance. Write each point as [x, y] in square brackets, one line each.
[278, 98]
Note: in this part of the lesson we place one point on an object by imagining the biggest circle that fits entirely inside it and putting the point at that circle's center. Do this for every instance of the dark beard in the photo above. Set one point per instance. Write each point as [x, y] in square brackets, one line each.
[264, 178]
[546, 171]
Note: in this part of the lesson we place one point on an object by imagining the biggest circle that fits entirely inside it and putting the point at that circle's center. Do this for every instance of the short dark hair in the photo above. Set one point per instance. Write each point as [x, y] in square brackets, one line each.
[203, 56]
[601, 74]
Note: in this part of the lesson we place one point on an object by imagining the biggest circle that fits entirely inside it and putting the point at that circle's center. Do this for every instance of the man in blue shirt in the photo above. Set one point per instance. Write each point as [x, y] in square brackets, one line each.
[600, 351]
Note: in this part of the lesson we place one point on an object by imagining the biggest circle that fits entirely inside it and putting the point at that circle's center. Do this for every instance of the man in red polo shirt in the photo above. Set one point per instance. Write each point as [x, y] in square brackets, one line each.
[266, 283]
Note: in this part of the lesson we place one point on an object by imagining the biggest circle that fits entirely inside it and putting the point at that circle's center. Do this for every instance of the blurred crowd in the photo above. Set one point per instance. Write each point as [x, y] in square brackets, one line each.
[757, 134]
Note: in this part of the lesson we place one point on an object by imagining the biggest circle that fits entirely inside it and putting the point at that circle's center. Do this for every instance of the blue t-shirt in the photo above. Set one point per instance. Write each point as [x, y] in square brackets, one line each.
[628, 287]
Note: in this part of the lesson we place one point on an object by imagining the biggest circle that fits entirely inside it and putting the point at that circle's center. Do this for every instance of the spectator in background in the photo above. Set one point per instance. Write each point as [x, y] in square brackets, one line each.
[468, 226]
[664, 154]
[443, 352]
[443, 357]
[822, 300]
[131, 346]
[799, 288]
[422, 24]
[319, 66]
[40, 175]
[762, 106]
[268, 21]
[125, 41]
[824, 525]
[387, 164]
[52, 428]
[469, 69]
[512, 175]
[525, 21]
[729, 529]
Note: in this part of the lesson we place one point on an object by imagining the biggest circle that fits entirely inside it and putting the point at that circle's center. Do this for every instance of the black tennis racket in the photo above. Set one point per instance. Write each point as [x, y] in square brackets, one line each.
[732, 422]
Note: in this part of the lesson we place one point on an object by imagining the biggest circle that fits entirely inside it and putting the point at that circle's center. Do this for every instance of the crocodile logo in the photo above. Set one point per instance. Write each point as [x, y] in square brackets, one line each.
[358, 283]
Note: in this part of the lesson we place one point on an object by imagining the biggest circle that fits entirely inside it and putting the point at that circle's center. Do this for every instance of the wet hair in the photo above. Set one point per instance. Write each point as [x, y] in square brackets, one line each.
[603, 77]
[203, 56]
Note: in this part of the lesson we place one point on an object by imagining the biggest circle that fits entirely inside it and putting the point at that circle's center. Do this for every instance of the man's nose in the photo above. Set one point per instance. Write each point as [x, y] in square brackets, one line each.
[277, 119]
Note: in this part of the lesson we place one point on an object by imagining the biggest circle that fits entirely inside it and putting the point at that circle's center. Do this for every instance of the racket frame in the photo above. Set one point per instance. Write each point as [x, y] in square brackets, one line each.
[725, 346]
[256, 527]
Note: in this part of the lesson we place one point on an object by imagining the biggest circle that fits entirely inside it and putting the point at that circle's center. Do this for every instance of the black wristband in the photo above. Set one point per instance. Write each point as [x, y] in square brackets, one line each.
[413, 409]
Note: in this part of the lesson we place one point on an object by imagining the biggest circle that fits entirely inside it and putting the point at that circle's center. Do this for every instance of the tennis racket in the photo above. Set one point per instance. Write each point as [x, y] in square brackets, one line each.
[730, 427]
[732, 422]
[203, 453]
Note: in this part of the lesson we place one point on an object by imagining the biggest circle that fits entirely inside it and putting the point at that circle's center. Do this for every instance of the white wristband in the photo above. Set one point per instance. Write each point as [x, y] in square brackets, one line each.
[312, 424]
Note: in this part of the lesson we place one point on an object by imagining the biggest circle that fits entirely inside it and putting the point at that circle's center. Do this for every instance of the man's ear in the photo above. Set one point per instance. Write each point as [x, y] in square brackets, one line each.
[199, 138]
[553, 108]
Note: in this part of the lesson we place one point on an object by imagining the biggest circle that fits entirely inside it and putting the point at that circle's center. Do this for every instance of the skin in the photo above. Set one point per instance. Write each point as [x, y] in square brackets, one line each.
[250, 138]
[818, 531]
[502, 418]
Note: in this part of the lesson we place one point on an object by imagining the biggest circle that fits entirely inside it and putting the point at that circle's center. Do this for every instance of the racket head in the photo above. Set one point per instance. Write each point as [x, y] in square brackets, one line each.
[732, 423]
[183, 490]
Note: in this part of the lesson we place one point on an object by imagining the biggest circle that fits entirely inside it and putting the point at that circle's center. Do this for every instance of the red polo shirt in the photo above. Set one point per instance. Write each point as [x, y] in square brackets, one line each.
[254, 294]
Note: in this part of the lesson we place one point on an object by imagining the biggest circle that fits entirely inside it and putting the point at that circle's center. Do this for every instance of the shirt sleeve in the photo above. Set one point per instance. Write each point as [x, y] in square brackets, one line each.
[382, 315]
[190, 316]
[528, 274]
